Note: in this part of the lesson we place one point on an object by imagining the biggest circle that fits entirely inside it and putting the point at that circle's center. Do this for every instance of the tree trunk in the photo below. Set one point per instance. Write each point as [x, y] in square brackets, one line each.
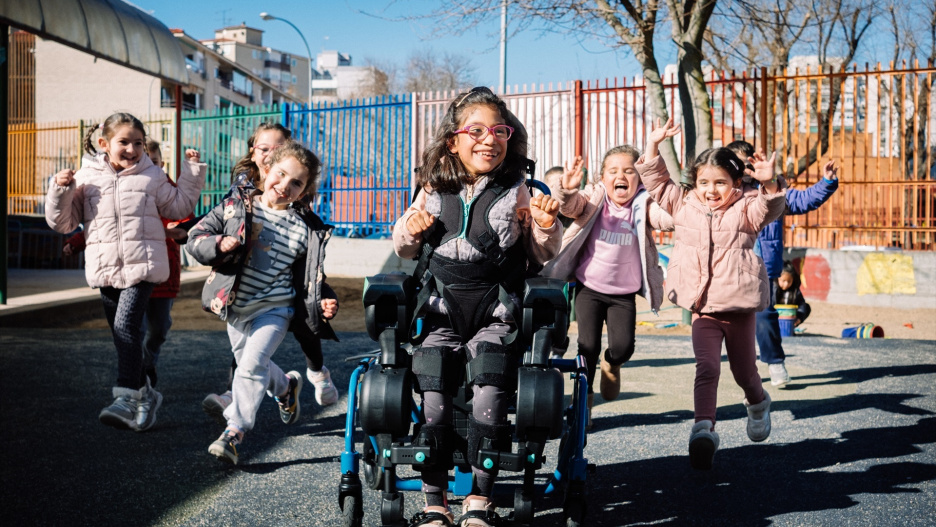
[697, 113]
[656, 101]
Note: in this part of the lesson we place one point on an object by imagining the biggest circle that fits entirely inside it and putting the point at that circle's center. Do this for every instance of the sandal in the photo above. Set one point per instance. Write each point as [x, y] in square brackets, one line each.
[478, 511]
[437, 516]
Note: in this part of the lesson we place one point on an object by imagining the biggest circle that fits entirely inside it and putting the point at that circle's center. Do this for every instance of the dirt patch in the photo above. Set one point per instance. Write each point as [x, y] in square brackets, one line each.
[826, 319]
[188, 315]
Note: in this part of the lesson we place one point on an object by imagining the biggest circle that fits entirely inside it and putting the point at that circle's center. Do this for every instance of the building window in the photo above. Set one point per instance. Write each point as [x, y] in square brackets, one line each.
[293, 63]
[294, 79]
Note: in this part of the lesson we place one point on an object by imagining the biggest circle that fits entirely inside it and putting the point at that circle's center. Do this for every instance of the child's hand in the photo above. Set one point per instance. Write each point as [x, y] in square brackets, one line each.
[418, 223]
[329, 308]
[64, 177]
[763, 167]
[192, 155]
[68, 250]
[571, 178]
[662, 132]
[830, 171]
[544, 209]
[228, 244]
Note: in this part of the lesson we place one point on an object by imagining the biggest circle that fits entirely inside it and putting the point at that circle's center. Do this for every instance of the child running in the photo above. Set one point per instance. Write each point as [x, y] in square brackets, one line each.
[119, 196]
[158, 318]
[769, 247]
[474, 163]
[253, 167]
[266, 250]
[609, 252]
[714, 273]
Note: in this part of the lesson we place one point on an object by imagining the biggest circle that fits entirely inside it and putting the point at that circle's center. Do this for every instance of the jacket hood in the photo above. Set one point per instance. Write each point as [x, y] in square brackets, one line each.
[99, 162]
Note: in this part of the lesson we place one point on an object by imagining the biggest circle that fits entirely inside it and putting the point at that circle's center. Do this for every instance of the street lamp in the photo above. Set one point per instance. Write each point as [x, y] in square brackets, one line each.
[268, 16]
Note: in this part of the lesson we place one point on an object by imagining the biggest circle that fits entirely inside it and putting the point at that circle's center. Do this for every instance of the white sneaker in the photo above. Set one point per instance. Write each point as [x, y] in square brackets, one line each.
[703, 442]
[778, 374]
[758, 419]
[215, 404]
[325, 392]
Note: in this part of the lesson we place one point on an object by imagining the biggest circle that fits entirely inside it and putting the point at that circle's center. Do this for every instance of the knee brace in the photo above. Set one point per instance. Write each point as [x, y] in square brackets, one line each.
[496, 437]
[495, 365]
[438, 369]
[438, 439]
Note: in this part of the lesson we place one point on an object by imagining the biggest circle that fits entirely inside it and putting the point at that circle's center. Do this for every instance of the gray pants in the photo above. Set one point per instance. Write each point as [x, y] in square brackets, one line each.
[253, 341]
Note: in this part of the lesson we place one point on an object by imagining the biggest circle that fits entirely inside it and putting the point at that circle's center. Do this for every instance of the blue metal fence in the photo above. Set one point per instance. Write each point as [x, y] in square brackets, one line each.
[365, 147]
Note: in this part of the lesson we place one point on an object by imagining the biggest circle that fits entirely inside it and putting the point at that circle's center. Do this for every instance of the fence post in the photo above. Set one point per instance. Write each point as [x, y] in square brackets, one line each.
[763, 111]
[4, 174]
[414, 133]
[178, 131]
[579, 119]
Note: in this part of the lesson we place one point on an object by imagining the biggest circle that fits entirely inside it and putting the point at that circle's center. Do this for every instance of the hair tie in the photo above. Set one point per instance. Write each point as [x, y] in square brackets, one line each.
[735, 165]
[100, 126]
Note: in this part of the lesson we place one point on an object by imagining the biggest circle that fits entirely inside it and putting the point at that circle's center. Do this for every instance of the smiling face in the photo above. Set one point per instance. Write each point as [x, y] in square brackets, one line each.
[266, 141]
[125, 148]
[284, 183]
[714, 186]
[479, 157]
[619, 176]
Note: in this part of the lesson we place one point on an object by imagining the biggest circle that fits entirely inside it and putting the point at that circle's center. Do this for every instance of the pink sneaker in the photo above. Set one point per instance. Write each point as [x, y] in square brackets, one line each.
[215, 404]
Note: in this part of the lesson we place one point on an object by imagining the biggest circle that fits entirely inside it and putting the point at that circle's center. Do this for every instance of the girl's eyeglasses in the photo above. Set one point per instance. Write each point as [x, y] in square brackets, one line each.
[478, 132]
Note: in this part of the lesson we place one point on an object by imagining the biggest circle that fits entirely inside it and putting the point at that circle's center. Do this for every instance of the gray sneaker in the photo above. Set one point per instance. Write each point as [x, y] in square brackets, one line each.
[121, 413]
[703, 443]
[150, 401]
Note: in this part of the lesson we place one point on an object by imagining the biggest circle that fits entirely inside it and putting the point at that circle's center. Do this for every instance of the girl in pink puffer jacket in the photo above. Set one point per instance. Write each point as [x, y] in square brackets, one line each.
[714, 273]
[119, 196]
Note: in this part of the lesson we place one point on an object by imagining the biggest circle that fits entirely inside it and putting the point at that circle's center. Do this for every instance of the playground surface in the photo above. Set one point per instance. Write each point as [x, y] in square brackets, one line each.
[853, 441]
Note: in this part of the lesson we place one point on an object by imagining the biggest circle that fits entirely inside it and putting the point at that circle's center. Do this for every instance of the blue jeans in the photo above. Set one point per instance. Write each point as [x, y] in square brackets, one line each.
[768, 331]
[156, 325]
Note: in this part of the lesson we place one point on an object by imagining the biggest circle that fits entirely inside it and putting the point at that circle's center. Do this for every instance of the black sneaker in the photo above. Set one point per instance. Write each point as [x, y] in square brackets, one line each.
[225, 447]
[289, 403]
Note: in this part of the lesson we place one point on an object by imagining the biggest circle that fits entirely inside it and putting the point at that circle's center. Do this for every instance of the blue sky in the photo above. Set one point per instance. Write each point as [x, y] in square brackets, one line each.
[532, 57]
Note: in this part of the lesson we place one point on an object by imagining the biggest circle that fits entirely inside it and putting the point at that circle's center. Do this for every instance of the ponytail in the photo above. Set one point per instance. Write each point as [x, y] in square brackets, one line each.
[109, 128]
[88, 145]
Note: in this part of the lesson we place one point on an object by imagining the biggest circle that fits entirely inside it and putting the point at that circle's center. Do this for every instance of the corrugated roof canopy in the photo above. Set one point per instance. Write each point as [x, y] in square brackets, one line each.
[109, 29]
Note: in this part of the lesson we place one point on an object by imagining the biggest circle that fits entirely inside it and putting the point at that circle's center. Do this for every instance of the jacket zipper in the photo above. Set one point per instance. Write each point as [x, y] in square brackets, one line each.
[119, 218]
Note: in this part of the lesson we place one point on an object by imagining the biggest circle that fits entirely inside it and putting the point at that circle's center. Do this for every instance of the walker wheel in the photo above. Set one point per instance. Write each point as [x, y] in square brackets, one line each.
[523, 508]
[371, 471]
[352, 511]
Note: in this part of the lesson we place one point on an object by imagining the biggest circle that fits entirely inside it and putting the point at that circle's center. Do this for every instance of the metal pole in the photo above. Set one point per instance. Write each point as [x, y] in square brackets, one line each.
[267, 16]
[503, 49]
[4, 103]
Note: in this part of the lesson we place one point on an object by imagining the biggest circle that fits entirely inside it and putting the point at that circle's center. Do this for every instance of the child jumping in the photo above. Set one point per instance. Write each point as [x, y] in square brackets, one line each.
[714, 273]
[119, 196]
[610, 253]
[482, 226]
[253, 167]
[266, 251]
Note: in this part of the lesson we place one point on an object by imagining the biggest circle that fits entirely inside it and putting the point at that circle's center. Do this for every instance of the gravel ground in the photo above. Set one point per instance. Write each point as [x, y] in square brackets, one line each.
[852, 443]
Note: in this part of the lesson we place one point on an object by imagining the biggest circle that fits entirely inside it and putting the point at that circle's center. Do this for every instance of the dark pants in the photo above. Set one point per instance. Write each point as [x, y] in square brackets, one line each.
[768, 331]
[156, 326]
[592, 310]
[125, 309]
[311, 345]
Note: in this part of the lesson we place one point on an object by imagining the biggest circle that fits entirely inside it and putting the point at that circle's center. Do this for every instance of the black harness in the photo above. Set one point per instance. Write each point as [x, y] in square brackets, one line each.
[471, 290]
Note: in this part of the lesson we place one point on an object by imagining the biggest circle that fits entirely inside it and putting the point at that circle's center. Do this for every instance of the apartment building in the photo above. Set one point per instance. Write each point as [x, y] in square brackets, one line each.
[243, 45]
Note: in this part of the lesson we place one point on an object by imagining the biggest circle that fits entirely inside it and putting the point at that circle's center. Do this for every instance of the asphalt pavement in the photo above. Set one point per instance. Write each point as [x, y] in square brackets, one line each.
[852, 442]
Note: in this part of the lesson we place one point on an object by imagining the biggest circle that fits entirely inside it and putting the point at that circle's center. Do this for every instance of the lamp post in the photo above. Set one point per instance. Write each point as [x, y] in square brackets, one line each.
[268, 16]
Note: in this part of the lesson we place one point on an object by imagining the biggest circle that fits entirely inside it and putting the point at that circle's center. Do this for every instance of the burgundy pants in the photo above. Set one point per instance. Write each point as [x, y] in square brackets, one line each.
[736, 330]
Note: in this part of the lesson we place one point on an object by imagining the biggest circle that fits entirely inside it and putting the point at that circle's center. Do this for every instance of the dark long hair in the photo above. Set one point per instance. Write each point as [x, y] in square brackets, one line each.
[717, 157]
[442, 169]
[245, 165]
[109, 128]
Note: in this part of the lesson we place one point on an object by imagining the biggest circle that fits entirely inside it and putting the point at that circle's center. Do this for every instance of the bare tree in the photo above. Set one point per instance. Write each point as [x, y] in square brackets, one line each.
[627, 24]
[427, 71]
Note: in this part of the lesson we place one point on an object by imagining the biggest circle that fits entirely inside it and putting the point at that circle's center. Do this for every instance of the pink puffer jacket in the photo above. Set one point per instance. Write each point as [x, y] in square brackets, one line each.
[713, 268]
[126, 241]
